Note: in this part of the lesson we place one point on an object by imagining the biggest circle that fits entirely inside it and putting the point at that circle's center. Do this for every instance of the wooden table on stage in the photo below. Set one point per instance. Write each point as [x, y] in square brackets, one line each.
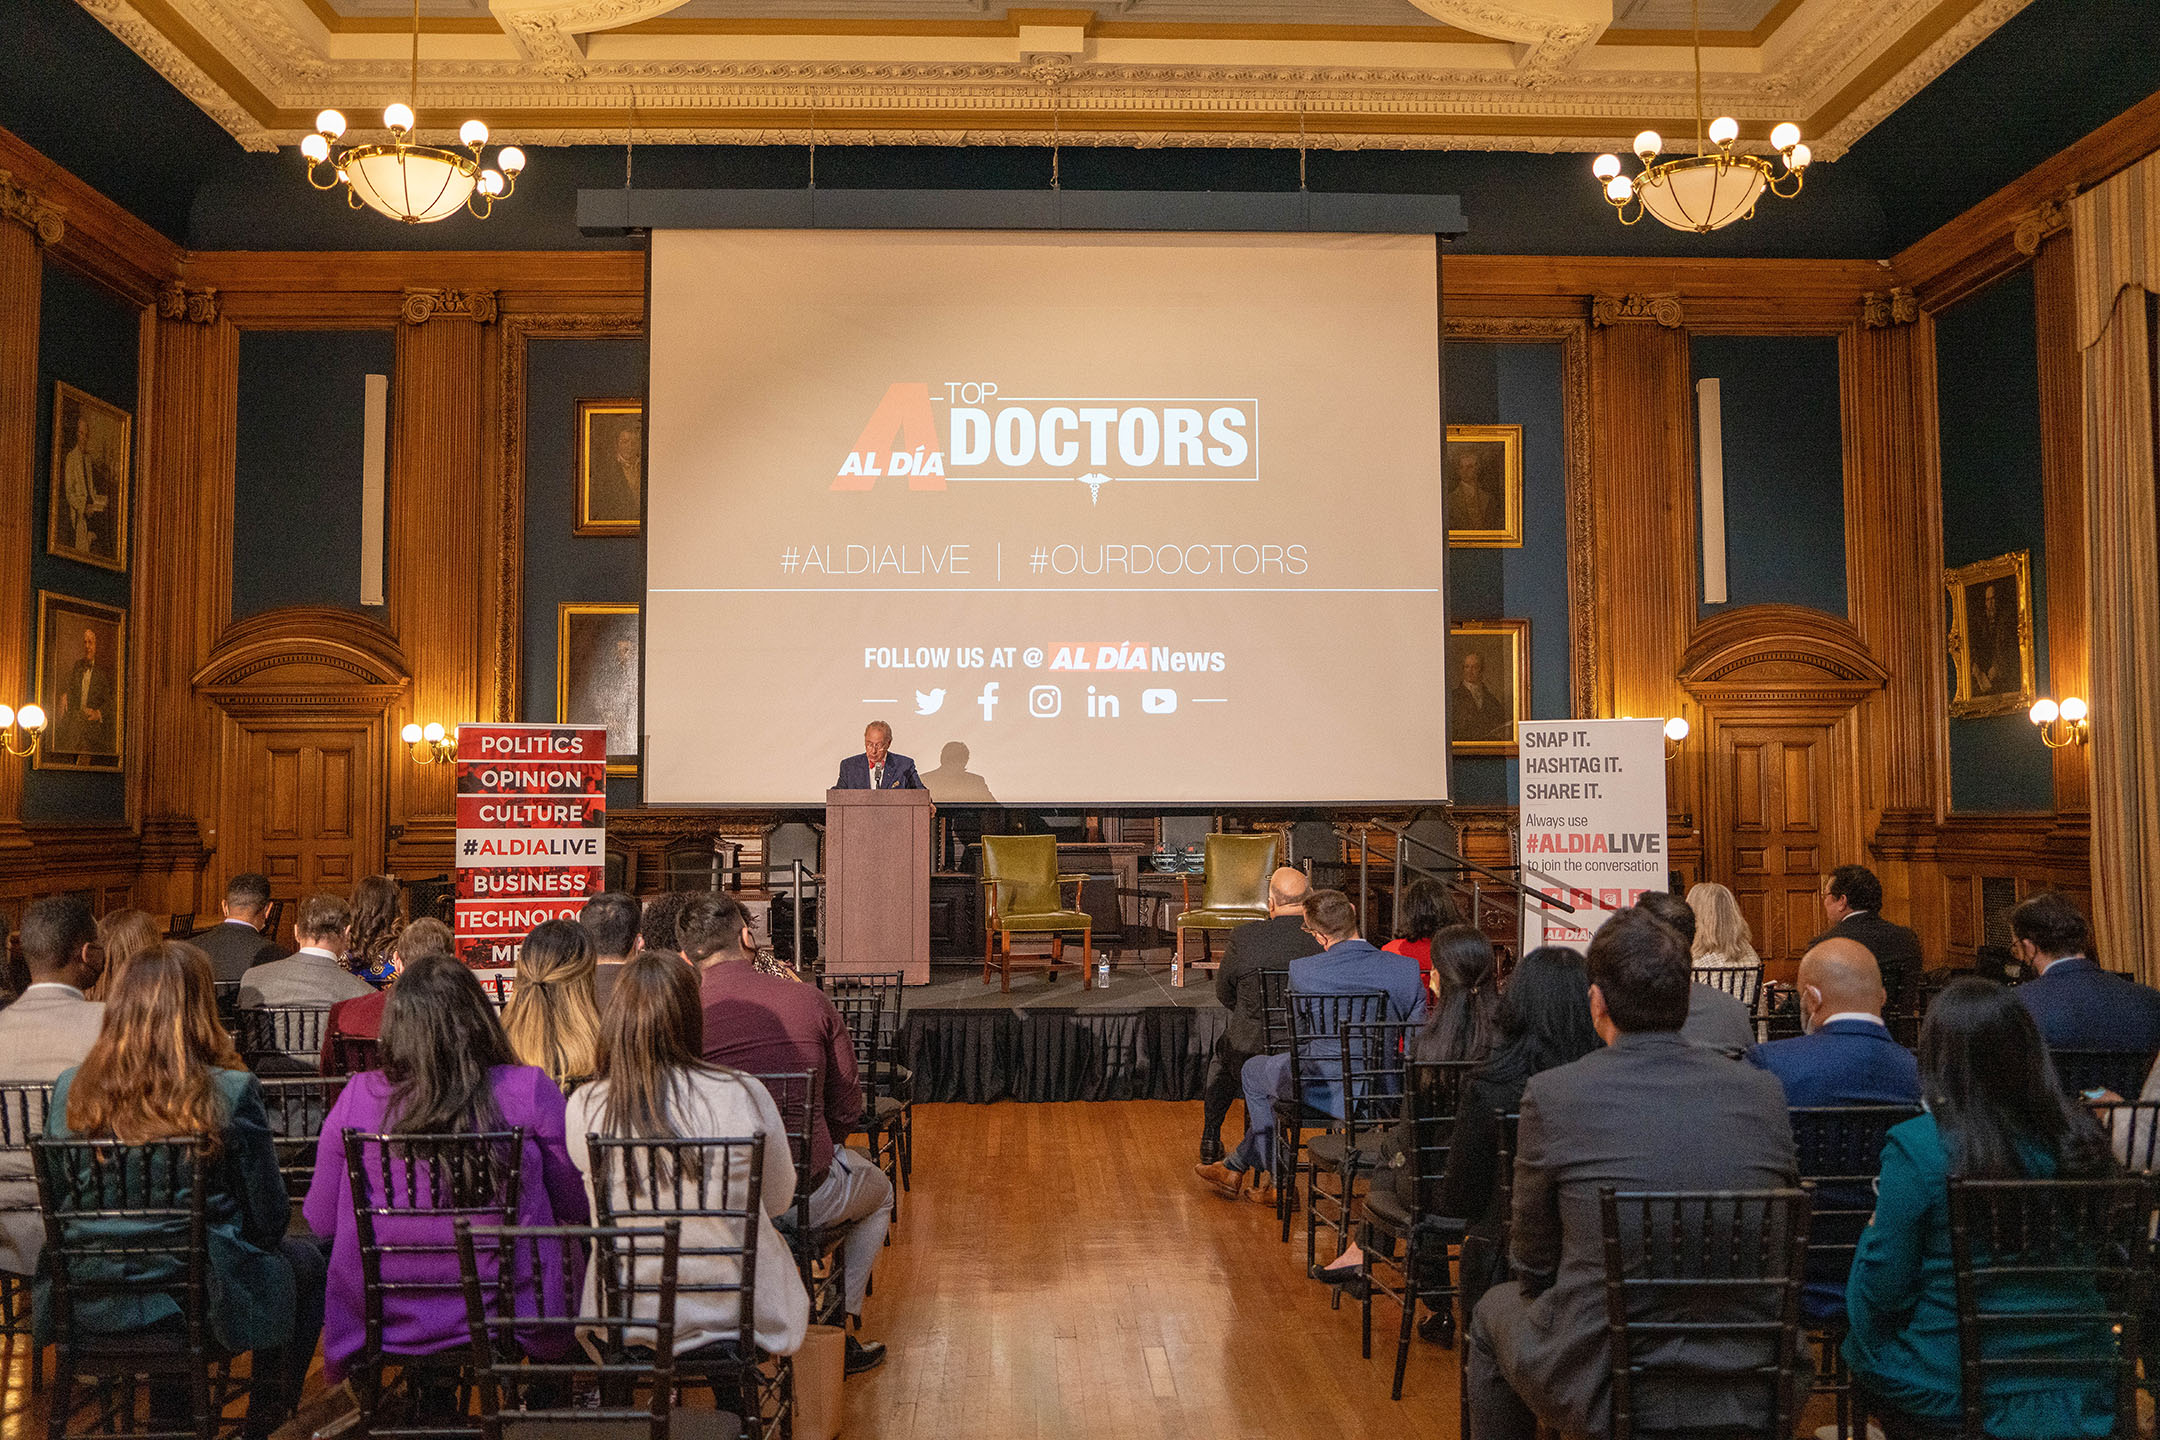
[877, 883]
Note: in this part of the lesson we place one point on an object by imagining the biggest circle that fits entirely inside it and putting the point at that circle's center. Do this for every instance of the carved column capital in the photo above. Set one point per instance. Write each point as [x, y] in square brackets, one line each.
[1612, 309]
[198, 305]
[1880, 309]
[27, 206]
[423, 303]
[2043, 220]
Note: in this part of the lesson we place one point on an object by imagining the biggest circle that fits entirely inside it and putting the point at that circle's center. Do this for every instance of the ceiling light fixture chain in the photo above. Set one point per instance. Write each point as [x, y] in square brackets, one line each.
[404, 179]
[1713, 187]
[1301, 142]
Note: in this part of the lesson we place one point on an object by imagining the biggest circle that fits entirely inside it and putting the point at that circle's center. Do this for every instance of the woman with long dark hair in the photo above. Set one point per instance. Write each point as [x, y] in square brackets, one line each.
[1465, 977]
[650, 1084]
[553, 1020]
[1994, 1112]
[378, 913]
[446, 1069]
[163, 1068]
[1426, 910]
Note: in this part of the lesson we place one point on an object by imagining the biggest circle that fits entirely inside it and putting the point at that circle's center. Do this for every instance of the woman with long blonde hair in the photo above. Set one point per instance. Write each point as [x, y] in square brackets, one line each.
[163, 1068]
[1722, 938]
[553, 1020]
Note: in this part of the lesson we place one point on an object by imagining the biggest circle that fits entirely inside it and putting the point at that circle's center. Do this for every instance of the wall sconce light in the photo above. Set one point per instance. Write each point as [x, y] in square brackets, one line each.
[26, 724]
[1676, 730]
[2060, 725]
[430, 745]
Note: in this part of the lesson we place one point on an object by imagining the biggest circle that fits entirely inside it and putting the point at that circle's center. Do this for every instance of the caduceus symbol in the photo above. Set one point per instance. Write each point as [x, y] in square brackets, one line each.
[1094, 481]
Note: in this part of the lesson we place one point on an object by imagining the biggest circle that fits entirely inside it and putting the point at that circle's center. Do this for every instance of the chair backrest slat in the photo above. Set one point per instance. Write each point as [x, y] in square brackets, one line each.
[713, 1185]
[407, 1192]
[281, 1039]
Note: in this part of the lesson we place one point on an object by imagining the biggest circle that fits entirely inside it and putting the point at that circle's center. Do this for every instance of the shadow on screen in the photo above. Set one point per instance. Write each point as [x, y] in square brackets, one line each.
[952, 783]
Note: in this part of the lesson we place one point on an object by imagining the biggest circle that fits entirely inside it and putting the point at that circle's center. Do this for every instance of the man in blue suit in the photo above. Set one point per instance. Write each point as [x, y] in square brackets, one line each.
[2076, 1004]
[1847, 1056]
[877, 768]
[1347, 964]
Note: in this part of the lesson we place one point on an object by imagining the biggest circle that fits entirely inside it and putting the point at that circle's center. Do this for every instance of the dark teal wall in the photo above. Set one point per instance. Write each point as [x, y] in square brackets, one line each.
[560, 566]
[1490, 383]
[87, 339]
[1784, 468]
[296, 484]
[1987, 377]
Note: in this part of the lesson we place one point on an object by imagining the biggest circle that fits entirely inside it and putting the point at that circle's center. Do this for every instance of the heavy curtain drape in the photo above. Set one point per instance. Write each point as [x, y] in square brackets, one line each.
[2116, 230]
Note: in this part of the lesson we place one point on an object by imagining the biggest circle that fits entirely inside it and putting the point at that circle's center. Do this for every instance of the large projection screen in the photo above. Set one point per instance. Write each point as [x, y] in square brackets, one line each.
[1120, 519]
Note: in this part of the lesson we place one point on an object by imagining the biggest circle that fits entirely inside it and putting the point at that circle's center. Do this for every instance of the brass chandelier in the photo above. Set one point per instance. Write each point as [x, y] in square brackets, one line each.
[1713, 187]
[408, 181]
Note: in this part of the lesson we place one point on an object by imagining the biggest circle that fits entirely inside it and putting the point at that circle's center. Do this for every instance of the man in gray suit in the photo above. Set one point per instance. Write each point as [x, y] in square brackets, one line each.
[314, 977]
[236, 944]
[1648, 1112]
[48, 1029]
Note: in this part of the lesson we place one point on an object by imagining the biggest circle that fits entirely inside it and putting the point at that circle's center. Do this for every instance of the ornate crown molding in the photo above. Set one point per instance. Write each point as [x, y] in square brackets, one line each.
[1612, 309]
[1880, 309]
[423, 303]
[44, 220]
[198, 305]
[2043, 220]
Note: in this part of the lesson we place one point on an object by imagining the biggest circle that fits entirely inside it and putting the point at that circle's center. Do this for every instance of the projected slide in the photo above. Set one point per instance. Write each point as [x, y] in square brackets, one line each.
[1110, 518]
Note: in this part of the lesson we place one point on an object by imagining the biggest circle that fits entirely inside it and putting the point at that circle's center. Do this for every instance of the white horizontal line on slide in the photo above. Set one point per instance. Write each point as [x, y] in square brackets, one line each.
[1048, 590]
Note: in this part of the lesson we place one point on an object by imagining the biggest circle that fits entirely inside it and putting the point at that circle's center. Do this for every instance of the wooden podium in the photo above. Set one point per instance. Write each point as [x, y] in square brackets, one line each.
[877, 883]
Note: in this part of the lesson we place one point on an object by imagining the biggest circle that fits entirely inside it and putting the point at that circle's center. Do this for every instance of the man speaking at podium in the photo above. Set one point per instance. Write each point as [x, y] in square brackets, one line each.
[877, 768]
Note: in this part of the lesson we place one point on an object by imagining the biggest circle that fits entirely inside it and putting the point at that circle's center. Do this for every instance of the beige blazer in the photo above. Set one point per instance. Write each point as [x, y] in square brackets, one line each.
[47, 1031]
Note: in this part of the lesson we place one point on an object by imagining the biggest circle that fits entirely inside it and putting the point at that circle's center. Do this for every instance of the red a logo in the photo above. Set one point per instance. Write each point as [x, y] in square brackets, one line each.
[901, 439]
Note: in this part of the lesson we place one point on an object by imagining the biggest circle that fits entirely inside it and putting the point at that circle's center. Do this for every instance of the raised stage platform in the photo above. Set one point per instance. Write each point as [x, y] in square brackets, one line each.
[1137, 1038]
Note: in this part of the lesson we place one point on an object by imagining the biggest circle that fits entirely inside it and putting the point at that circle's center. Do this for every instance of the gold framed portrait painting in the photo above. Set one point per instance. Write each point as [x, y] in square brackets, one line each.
[611, 467]
[1488, 680]
[90, 458]
[81, 659]
[1482, 476]
[596, 674]
[1991, 635]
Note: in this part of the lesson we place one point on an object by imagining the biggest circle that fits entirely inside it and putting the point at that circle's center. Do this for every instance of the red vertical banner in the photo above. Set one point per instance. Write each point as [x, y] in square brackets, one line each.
[531, 832]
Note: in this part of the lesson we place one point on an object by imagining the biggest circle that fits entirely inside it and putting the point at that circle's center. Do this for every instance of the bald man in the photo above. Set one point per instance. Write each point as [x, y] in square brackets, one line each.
[1269, 944]
[1847, 1056]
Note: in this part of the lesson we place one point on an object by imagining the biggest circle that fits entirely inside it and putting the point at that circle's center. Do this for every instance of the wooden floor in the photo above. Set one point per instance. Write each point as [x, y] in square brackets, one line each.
[1058, 1272]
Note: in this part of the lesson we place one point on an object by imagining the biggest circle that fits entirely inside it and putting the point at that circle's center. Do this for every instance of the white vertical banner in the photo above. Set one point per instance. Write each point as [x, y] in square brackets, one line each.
[1593, 823]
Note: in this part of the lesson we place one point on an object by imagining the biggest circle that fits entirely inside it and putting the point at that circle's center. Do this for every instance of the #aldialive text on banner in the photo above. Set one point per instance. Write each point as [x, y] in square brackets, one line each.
[1593, 823]
[531, 832]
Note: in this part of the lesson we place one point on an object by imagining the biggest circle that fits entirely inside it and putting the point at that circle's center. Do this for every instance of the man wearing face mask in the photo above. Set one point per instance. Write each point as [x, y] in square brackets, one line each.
[1847, 1056]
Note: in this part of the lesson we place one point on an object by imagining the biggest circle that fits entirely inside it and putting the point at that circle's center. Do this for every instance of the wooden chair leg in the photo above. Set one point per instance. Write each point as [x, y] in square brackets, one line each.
[990, 935]
[1005, 962]
[1178, 969]
[1087, 957]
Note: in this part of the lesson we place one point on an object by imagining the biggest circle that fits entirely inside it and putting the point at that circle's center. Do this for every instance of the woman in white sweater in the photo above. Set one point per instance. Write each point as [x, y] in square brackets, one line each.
[649, 1084]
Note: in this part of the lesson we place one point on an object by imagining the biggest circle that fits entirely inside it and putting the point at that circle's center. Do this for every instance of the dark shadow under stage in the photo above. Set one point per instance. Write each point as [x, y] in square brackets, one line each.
[1136, 1038]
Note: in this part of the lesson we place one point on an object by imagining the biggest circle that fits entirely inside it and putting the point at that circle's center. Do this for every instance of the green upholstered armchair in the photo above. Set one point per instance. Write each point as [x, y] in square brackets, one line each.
[1026, 896]
[1233, 890]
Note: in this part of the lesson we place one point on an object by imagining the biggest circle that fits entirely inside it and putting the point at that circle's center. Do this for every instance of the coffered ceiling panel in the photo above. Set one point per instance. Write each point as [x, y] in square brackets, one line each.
[1572, 75]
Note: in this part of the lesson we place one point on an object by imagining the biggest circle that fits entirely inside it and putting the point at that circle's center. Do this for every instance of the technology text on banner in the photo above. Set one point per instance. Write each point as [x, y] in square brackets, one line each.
[1593, 823]
[531, 832]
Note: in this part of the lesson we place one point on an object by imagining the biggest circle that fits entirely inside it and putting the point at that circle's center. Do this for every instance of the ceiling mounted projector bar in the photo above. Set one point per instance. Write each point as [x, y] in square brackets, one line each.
[618, 212]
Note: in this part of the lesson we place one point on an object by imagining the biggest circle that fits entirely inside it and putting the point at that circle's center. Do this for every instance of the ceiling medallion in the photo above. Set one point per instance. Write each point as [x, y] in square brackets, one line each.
[408, 181]
[1713, 187]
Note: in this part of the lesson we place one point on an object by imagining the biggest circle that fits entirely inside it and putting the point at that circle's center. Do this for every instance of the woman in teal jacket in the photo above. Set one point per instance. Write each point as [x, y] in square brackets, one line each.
[1995, 1111]
[163, 1068]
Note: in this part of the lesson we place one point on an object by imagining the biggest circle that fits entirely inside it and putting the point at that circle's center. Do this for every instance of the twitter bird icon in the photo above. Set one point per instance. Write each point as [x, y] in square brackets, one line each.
[929, 704]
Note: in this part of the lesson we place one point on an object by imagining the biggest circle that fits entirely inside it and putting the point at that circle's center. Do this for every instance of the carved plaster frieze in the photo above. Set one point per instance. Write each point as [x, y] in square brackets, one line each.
[1978, 23]
[30, 209]
[184, 74]
[424, 303]
[1664, 310]
[198, 305]
[1880, 309]
[2043, 220]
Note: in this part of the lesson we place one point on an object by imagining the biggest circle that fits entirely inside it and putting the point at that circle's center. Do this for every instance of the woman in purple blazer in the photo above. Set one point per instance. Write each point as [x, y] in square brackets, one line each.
[447, 1067]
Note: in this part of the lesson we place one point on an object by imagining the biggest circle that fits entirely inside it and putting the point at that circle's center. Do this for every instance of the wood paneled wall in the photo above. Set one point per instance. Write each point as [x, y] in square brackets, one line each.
[1873, 781]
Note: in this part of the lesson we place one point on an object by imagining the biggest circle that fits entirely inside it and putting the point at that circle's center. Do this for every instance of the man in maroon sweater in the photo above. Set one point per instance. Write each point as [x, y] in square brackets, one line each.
[769, 1025]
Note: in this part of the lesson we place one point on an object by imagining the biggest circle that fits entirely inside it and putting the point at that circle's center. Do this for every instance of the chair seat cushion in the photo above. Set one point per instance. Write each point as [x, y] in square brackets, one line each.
[1385, 1210]
[1219, 918]
[1047, 920]
[682, 1425]
[1328, 1152]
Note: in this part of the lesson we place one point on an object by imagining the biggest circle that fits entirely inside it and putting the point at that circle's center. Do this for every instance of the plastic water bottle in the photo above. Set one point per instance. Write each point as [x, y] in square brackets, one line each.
[1102, 967]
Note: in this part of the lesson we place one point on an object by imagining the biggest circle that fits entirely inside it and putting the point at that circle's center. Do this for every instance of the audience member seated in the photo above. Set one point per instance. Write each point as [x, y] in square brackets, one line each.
[1846, 1056]
[164, 1068]
[1426, 910]
[1715, 1020]
[767, 1025]
[656, 927]
[236, 944]
[1852, 902]
[1269, 944]
[1994, 1113]
[378, 914]
[1348, 964]
[651, 1083]
[361, 1017]
[315, 976]
[1650, 1111]
[551, 1019]
[1462, 1025]
[447, 1069]
[1722, 938]
[123, 935]
[2076, 1004]
[611, 923]
[47, 1031]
